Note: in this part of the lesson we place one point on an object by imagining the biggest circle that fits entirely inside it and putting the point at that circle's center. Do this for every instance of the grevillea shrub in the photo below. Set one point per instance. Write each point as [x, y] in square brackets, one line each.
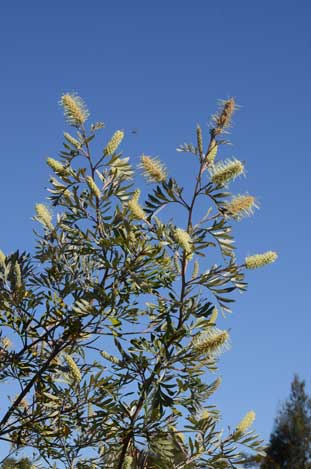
[109, 341]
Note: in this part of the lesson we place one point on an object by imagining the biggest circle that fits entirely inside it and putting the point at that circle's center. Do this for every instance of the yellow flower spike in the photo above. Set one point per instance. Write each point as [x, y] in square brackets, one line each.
[75, 110]
[135, 208]
[196, 267]
[200, 140]
[74, 369]
[212, 342]
[44, 216]
[114, 142]
[213, 316]
[2, 258]
[18, 275]
[176, 263]
[226, 171]
[246, 422]
[57, 167]
[110, 358]
[90, 410]
[241, 206]
[72, 140]
[211, 155]
[93, 187]
[259, 260]
[154, 170]
[183, 239]
[223, 119]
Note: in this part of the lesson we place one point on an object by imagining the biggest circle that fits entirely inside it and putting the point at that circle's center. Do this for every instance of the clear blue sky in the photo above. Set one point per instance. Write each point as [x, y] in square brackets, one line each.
[160, 67]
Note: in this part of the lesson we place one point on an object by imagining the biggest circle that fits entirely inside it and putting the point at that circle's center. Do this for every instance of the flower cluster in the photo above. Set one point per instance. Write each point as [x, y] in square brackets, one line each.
[114, 142]
[183, 239]
[213, 316]
[154, 170]
[259, 260]
[2, 258]
[226, 171]
[75, 109]
[223, 119]
[93, 187]
[135, 208]
[211, 154]
[110, 358]
[246, 422]
[211, 342]
[73, 367]
[72, 140]
[18, 275]
[44, 216]
[57, 167]
[241, 206]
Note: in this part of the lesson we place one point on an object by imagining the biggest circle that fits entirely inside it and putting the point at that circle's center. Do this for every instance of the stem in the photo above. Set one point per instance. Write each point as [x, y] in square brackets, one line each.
[148, 383]
[93, 168]
[29, 386]
[140, 403]
[197, 189]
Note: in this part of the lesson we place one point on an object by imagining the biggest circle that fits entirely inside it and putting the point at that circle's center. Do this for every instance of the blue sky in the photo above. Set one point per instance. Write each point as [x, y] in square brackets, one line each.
[160, 67]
